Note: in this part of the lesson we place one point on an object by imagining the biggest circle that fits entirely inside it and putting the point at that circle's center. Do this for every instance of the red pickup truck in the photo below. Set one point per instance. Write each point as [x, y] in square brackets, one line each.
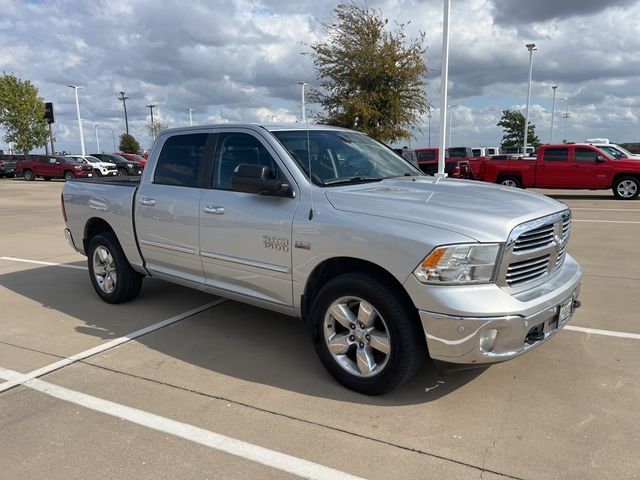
[567, 166]
[52, 166]
[457, 162]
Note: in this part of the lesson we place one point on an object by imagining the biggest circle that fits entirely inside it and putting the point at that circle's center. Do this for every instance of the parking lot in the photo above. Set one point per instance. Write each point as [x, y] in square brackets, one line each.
[180, 384]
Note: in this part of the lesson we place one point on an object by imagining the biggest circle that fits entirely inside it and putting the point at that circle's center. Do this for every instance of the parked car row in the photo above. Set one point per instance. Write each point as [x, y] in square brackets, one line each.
[71, 166]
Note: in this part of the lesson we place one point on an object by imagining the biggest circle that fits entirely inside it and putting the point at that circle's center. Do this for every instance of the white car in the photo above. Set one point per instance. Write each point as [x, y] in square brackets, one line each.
[616, 151]
[102, 169]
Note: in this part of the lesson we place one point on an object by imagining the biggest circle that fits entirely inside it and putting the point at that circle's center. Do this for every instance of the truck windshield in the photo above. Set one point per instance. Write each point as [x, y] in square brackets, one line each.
[338, 157]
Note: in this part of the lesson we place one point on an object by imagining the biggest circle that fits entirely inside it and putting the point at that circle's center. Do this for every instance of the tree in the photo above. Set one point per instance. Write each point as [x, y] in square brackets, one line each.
[373, 79]
[21, 114]
[153, 129]
[512, 123]
[128, 144]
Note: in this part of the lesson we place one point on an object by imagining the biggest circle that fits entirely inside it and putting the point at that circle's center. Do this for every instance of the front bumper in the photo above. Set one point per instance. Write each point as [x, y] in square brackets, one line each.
[519, 322]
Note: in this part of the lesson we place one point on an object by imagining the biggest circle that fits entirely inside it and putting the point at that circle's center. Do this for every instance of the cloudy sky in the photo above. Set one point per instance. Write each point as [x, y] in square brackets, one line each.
[240, 61]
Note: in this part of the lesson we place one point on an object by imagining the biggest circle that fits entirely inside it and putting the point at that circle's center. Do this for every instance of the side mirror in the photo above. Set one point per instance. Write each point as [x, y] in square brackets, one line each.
[255, 179]
[600, 159]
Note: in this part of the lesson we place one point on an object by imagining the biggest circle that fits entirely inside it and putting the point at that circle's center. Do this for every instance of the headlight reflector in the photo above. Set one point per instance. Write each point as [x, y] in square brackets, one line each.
[459, 264]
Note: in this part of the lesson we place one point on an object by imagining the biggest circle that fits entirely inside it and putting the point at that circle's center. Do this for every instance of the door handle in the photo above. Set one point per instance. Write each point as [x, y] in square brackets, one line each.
[213, 210]
[147, 201]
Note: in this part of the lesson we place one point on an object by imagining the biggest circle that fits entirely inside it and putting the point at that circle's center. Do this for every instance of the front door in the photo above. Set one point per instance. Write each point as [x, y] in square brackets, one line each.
[245, 239]
[589, 172]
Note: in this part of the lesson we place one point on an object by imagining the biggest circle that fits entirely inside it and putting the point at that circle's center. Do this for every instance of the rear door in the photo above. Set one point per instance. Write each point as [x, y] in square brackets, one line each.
[245, 238]
[553, 168]
[167, 207]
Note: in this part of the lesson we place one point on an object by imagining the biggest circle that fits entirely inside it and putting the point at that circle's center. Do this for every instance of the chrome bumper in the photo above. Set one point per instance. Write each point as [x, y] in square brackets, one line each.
[471, 334]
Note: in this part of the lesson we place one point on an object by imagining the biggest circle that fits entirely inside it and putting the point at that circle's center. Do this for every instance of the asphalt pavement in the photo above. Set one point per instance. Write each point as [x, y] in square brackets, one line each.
[181, 384]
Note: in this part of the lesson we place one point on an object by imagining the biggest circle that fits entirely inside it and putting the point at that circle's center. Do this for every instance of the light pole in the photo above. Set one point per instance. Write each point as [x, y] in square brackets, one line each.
[429, 117]
[113, 136]
[444, 78]
[124, 99]
[190, 116]
[566, 117]
[95, 125]
[531, 47]
[304, 115]
[76, 87]
[451, 107]
[553, 111]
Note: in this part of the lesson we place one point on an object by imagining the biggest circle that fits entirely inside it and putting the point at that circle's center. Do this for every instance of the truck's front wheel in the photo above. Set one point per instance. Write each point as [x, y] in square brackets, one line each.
[111, 275]
[366, 335]
[626, 188]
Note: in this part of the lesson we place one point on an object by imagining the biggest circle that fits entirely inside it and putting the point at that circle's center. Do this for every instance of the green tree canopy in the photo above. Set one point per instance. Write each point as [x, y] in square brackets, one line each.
[512, 123]
[372, 80]
[21, 114]
[128, 144]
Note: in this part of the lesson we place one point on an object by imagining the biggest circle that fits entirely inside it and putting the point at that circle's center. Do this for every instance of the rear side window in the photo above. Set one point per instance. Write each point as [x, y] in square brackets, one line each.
[182, 160]
[236, 148]
[476, 152]
[556, 154]
[425, 156]
[585, 155]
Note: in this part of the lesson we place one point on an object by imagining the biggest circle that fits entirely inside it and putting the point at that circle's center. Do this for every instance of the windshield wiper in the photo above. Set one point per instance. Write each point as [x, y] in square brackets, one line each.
[346, 181]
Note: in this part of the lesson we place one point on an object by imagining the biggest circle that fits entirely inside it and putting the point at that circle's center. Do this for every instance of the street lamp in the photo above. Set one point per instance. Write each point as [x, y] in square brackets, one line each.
[566, 117]
[304, 116]
[444, 78]
[553, 111]
[191, 116]
[76, 87]
[451, 107]
[531, 47]
[95, 125]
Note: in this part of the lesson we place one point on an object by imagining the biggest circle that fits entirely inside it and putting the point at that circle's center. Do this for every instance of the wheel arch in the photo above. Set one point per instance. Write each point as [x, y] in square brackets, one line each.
[618, 176]
[96, 226]
[333, 267]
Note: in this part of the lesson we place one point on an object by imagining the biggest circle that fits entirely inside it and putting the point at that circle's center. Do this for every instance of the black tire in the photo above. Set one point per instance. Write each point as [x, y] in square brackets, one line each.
[626, 188]
[97, 172]
[46, 179]
[69, 175]
[28, 175]
[127, 282]
[405, 337]
[510, 182]
[122, 172]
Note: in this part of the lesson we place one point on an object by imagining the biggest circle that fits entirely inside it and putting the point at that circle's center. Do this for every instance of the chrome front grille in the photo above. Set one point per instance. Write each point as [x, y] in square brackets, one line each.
[535, 249]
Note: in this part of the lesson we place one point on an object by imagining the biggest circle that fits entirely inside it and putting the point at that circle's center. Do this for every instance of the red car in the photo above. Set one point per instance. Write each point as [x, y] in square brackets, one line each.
[52, 166]
[568, 166]
[134, 158]
[454, 166]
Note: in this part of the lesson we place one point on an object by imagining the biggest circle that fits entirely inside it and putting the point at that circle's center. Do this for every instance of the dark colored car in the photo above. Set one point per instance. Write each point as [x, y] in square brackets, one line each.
[134, 157]
[8, 165]
[125, 166]
[52, 166]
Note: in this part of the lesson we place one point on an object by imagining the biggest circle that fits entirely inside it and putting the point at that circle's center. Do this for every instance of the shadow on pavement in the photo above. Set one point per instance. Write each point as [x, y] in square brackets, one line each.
[232, 339]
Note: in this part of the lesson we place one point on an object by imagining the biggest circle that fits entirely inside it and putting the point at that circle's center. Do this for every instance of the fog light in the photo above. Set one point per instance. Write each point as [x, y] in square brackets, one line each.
[487, 340]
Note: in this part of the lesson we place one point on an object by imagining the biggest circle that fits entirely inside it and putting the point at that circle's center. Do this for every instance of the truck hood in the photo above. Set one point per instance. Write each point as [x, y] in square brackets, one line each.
[482, 211]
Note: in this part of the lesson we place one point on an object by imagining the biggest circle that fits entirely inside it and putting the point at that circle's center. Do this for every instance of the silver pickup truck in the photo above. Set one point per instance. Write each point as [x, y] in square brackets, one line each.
[387, 266]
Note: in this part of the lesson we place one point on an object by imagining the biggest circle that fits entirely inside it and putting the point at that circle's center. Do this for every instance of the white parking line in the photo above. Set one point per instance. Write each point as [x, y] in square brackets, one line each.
[607, 333]
[238, 448]
[38, 262]
[106, 346]
[603, 221]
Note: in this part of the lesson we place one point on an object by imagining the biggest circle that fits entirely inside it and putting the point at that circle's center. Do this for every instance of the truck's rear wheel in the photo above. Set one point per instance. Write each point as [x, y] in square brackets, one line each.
[626, 188]
[510, 182]
[366, 335]
[111, 275]
[28, 175]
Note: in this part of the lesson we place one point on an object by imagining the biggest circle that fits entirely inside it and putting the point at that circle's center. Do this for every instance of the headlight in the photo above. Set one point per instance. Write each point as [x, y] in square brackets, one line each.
[459, 264]
[129, 164]
[78, 167]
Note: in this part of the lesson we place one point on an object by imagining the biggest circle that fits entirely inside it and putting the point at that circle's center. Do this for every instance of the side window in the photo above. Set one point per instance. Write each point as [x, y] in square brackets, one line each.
[585, 155]
[234, 149]
[556, 154]
[182, 160]
[424, 156]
